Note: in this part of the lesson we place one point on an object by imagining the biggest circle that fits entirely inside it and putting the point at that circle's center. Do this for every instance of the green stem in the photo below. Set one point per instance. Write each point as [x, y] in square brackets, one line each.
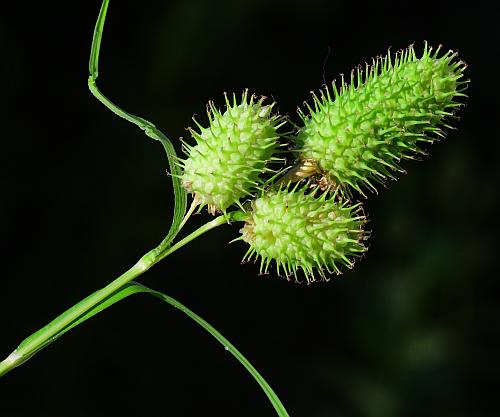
[55, 328]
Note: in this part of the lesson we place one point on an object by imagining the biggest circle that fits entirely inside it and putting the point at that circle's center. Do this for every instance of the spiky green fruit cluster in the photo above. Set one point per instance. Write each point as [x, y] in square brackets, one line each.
[231, 154]
[356, 137]
[304, 231]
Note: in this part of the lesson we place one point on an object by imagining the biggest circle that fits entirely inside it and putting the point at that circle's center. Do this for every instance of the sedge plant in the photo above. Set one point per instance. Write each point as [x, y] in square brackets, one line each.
[299, 220]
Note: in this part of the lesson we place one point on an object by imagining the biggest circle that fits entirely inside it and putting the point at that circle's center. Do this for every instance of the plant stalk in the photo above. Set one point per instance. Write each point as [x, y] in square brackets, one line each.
[55, 328]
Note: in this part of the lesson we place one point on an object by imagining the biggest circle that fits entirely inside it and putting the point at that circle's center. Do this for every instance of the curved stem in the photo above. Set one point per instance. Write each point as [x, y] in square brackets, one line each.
[46, 335]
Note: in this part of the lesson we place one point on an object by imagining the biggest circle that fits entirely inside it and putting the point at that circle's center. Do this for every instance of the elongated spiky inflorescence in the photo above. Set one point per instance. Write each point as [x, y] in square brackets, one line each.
[304, 231]
[357, 134]
[231, 154]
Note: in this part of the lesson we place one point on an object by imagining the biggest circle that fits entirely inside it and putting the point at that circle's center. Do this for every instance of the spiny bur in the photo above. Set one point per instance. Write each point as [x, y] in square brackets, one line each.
[231, 153]
[299, 230]
[355, 136]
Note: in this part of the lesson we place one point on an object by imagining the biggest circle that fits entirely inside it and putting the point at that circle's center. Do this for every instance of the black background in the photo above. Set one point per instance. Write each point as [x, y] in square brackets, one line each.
[411, 331]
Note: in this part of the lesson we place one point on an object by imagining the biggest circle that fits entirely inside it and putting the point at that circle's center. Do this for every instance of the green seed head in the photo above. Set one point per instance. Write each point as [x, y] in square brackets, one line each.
[299, 230]
[232, 153]
[356, 136]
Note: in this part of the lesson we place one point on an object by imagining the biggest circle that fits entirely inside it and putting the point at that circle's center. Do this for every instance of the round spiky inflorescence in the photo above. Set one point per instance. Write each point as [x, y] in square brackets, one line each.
[356, 137]
[231, 154]
[303, 231]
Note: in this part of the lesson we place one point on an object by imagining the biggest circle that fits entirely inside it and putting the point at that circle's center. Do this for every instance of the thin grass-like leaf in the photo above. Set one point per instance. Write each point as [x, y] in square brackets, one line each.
[135, 288]
[149, 129]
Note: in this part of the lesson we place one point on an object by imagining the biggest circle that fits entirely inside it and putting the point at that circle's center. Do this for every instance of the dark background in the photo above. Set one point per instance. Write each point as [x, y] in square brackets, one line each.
[411, 331]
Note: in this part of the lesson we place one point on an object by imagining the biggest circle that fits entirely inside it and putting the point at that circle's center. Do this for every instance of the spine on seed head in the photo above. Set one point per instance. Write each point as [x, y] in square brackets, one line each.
[355, 135]
[232, 153]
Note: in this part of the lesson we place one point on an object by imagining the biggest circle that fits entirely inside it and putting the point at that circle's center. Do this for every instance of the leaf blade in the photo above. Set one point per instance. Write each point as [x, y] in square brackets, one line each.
[132, 288]
[180, 195]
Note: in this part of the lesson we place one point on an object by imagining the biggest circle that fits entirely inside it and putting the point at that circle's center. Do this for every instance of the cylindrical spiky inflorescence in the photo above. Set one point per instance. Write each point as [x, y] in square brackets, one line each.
[231, 154]
[297, 231]
[356, 136]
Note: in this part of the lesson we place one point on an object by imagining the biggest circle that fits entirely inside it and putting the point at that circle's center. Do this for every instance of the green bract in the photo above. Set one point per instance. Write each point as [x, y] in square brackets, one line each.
[357, 137]
[231, 153]
[299, 230]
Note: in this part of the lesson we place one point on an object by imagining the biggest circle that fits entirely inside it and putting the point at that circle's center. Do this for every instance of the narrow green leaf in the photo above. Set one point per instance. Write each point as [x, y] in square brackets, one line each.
[135, 288]
[149, 129]
[271, 395]
[96, 40]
